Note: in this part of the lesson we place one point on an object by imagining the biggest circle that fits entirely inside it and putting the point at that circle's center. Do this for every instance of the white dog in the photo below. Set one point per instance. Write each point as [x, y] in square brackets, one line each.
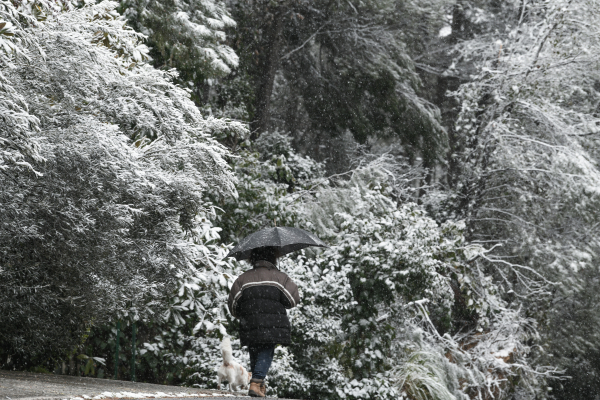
[230, 371]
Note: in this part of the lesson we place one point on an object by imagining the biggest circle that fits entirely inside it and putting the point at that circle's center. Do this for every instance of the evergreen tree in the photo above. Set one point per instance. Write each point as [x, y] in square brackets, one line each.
[321, 69]
[103, 199]
[187, 35]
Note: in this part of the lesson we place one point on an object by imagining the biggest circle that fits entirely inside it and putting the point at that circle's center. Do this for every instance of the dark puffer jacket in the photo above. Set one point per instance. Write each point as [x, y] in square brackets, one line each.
[259, 298]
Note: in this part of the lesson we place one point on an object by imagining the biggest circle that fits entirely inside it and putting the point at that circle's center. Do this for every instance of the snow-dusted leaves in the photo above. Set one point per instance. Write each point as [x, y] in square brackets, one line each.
[114, 219]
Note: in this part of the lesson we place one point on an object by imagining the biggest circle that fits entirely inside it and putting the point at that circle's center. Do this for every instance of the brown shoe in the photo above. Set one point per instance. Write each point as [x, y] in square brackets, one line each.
[263, 389]
[255, 386]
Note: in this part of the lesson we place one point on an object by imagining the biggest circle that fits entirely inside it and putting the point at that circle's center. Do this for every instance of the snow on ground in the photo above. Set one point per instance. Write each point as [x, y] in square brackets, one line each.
[25, 385]
[131, 395]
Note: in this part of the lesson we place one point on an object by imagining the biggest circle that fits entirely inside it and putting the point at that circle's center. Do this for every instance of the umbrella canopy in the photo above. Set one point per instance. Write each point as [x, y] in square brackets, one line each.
[284, 239]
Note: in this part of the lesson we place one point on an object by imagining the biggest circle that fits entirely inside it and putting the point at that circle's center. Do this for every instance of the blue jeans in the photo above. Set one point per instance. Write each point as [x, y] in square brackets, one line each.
[260, 360]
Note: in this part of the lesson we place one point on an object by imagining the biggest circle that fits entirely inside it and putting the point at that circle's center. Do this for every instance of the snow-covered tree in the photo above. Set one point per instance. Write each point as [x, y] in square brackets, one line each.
[530, 178]
[390, 273]
[18, 125]
[102, 211]
[188, 35]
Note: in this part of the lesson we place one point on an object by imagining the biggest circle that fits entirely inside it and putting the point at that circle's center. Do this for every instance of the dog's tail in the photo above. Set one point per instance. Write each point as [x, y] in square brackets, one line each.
[227, 351]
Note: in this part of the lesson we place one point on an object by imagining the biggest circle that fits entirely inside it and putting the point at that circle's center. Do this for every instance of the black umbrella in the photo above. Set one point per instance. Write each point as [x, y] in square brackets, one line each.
[283, 238]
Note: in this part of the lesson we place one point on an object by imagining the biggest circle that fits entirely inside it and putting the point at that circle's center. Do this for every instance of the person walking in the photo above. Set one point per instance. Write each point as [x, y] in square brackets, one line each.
[259, 298]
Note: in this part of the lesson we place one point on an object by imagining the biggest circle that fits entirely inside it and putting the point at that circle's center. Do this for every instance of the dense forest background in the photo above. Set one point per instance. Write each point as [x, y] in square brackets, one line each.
[447, 151]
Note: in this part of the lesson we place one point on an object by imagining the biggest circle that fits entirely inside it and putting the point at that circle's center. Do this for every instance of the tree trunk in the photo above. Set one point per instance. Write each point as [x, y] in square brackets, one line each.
[268, 64]
[449, 107]
[72, 365]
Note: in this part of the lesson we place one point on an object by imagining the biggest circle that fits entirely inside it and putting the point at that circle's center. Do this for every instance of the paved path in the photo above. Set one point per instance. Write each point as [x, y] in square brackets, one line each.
[30, 386]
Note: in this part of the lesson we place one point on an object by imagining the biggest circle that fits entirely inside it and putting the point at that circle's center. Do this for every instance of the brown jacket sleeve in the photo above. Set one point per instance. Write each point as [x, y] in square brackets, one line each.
[235, 289]
[292, 289]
